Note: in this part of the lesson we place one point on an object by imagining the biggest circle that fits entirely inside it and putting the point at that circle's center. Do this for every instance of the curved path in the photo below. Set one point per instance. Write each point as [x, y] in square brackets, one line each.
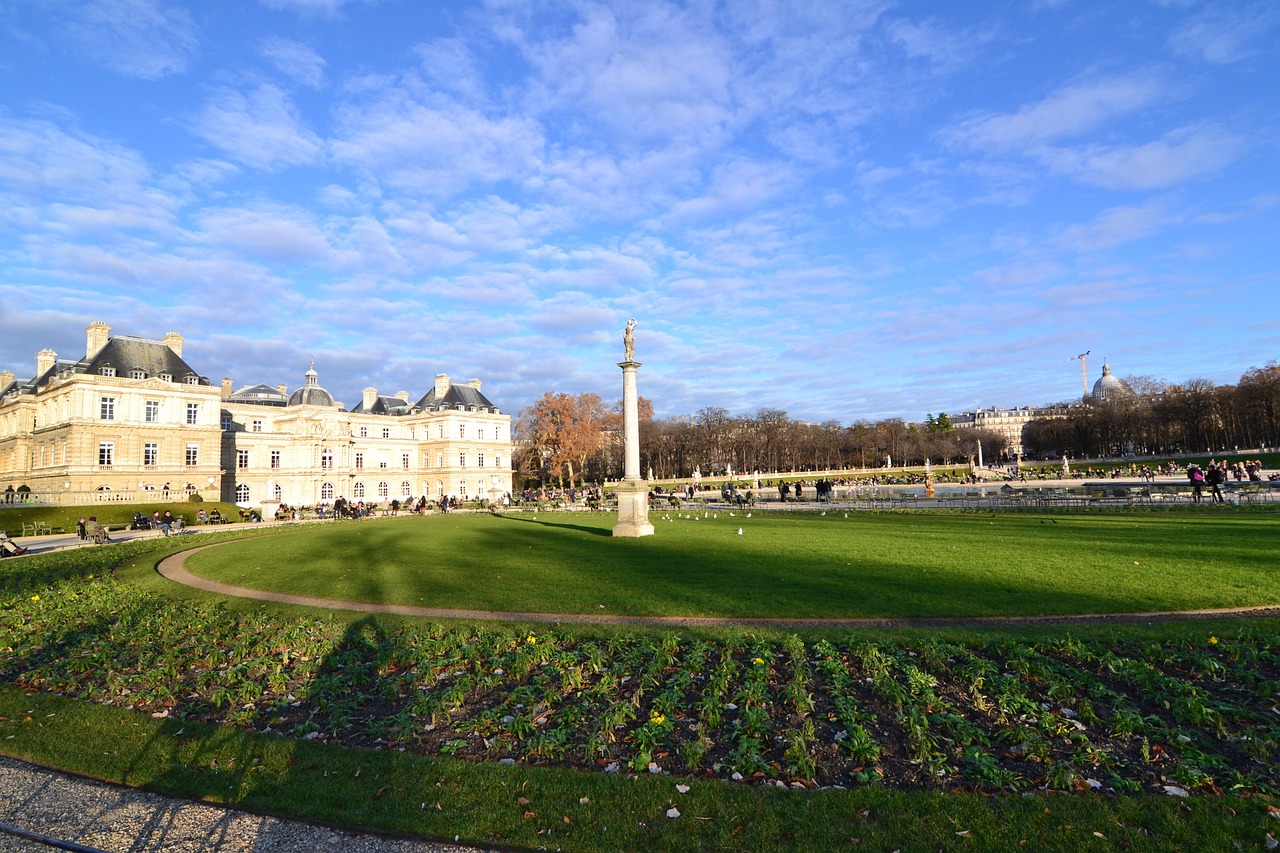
[174, 568]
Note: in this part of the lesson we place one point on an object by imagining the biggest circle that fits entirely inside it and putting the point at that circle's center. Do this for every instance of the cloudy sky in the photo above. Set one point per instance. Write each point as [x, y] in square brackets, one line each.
[838, 208]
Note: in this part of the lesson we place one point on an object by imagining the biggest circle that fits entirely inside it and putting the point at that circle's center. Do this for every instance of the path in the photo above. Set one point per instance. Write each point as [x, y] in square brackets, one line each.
[174, 568]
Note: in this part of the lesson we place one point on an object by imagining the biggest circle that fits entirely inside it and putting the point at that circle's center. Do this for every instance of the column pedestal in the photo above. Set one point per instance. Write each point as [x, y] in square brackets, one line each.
[633, 510]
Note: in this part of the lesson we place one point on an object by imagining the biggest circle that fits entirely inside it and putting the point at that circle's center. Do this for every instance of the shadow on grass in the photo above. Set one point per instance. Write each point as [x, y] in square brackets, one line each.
[594, 531]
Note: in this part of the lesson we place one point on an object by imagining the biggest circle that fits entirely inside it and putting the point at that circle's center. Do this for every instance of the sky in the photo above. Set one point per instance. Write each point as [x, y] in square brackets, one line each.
[845, 210]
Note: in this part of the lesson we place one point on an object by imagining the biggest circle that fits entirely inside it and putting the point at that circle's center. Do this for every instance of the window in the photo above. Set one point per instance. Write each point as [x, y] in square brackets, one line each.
[382, 461]
[165, 377]
[257, 425]
[404, 460]
[193, 413]
[137, 374]
[364, 432]
[193, 380]
[277, 492]
[193, 454]
[242, 493]
[150, 453]
[226, 422]
[359, 460]
[107, 409]
[386, 432]
[357, 491]
[406, 490]
[108, 371]
[153, 411]
[479, 460]
[439, 487]
[480, 433]
[462, 459]
[106, 453]
[383, 489]
[462, 488]
[275, 459]
[462, 430]
[326, 491]
[497, 433]
[242, 459]
[440, 431]
[326, 458]
[497, 460]
[439, 460]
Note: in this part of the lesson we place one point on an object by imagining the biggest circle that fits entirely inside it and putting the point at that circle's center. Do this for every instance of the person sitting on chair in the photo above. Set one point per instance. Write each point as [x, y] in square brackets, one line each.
[8, 547]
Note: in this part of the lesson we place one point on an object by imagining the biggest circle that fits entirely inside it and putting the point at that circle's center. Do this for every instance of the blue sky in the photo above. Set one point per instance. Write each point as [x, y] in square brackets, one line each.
[843, 210]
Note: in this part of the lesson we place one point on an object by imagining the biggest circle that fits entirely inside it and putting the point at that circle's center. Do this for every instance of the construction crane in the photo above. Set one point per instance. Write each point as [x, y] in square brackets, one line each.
[1084, 372]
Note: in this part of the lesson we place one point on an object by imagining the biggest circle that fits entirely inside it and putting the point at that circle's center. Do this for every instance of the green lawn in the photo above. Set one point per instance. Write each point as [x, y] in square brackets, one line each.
[781, 564]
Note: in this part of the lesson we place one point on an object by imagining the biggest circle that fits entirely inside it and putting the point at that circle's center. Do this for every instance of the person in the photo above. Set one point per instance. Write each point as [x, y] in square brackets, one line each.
[202, 517]
[1215, 477]
[9, 548]
[1196, 476]
[82, 529]
[215, 516]
[100, 535]
[166, 522]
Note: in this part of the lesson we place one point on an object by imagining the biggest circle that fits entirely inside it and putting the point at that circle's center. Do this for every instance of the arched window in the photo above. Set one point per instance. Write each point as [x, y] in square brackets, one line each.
[383, 489]
[326, 458]
[406, 490]
[326, 491]
[242, 493]
[357, 491]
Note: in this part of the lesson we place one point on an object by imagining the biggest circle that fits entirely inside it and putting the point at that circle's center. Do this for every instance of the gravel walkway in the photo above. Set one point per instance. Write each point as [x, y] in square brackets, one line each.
[114, 818]
[173, 568]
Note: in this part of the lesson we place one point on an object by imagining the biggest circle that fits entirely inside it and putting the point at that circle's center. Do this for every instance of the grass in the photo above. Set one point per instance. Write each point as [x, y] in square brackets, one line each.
[935, 739]
[790, 565]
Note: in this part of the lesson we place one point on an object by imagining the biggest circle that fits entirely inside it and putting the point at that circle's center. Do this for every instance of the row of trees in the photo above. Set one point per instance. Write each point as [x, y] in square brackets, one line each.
[571, 440]
[1193, 417]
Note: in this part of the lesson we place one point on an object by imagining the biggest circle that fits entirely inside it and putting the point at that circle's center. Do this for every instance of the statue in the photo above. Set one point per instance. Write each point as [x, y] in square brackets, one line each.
[629, 340]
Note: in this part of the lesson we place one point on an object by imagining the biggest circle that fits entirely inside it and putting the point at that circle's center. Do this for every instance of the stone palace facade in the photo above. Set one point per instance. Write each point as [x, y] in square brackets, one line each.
[132, 421]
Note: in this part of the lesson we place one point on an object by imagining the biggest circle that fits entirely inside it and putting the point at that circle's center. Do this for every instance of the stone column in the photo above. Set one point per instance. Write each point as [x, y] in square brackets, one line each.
[633, 492]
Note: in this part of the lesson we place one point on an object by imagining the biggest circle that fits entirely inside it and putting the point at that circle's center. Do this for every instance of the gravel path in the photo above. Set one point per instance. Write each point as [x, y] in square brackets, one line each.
[173, 568]
[115, 818]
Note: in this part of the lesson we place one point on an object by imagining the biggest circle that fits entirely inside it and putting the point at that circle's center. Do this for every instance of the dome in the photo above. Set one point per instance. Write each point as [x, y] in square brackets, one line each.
[311, 394]
[1109, 387]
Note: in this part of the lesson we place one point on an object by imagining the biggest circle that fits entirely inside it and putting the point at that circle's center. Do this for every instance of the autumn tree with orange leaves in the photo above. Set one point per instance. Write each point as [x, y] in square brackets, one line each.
[563, 432]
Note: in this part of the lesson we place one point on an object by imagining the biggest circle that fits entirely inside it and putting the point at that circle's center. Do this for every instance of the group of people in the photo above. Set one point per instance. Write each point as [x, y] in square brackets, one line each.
[1217, 473]
[92, 528]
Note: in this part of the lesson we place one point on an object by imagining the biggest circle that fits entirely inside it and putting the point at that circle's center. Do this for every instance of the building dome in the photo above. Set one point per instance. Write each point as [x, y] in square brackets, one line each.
[1109, 387]
[311, 394]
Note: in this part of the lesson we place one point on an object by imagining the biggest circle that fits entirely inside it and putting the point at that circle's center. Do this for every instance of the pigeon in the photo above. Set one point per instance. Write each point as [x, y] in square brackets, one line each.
[739, 531]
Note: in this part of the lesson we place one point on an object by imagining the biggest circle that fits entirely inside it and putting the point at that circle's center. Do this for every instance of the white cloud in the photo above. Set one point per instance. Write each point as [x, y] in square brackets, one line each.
[270, 232]
[149, 39]
[1117, 225]
[1227, 33]
[261, 128]
[1066, 113]
[1179, 156]
[440, 147]
[296, 60]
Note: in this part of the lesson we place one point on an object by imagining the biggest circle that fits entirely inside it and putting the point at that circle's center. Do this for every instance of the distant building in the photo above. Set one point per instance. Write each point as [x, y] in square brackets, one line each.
[1109, 387]
[132, 421]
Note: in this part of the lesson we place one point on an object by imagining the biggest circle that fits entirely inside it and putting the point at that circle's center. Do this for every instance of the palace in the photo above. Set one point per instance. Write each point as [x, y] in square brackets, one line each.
[132, 421]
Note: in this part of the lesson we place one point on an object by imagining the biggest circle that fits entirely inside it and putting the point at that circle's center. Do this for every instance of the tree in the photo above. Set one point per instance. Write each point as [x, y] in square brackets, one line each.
[564, 431]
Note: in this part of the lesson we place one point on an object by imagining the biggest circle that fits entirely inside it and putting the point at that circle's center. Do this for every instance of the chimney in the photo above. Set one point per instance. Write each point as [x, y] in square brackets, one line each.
[226, 387]
[6, 379]
[44, 360]
[283, 389]
[474, 383]
[400, 395]
[96, 338]
[442, 385]
[173, 341]
[370, 397]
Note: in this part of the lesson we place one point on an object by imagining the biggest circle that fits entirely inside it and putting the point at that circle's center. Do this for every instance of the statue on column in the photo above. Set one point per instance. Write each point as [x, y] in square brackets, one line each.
[629, 341]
